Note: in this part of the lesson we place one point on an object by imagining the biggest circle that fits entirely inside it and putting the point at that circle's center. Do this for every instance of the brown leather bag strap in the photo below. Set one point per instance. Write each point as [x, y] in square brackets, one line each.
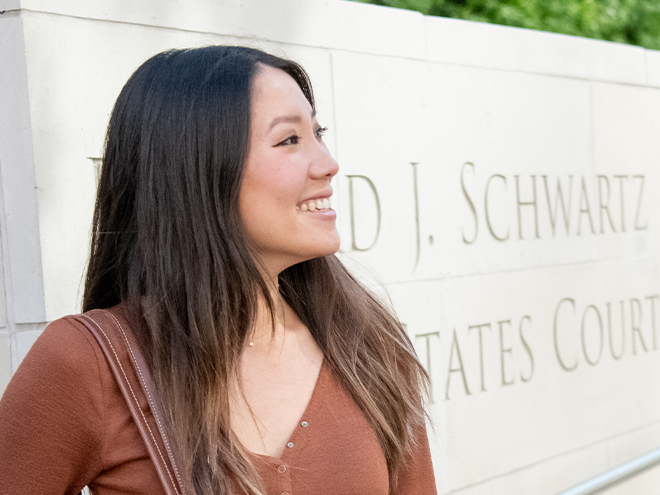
[120, 347]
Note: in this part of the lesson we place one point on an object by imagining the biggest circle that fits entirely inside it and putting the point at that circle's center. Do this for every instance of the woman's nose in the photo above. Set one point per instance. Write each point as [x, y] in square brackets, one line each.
[323, 164]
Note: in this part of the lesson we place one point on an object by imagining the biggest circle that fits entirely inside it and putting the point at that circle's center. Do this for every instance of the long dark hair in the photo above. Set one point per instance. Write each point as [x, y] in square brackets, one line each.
[168, 242]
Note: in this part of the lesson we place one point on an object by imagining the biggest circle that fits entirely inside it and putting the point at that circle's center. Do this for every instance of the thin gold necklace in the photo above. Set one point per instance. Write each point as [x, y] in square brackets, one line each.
[251, 342]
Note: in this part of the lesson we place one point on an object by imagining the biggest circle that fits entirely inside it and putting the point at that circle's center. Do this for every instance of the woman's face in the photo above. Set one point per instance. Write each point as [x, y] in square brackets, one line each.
[285, 193]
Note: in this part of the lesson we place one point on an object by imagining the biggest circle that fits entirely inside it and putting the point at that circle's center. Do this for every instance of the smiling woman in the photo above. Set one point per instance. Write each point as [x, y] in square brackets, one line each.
[213, 244]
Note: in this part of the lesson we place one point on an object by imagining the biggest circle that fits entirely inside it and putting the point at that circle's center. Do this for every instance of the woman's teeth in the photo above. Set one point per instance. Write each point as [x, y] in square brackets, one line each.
[315, 204]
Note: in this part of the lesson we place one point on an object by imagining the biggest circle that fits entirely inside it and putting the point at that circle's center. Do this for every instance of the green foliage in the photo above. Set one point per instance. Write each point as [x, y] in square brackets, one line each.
[636, 22]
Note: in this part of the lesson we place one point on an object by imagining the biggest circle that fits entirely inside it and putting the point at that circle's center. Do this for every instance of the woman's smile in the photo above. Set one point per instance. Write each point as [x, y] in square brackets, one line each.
[319, 204]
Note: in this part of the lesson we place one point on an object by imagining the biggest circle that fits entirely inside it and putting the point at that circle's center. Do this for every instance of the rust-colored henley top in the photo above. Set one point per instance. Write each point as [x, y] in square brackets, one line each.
[64, 424]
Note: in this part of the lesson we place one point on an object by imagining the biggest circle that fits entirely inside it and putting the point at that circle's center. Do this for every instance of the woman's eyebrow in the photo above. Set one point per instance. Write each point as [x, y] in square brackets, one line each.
[288, 119]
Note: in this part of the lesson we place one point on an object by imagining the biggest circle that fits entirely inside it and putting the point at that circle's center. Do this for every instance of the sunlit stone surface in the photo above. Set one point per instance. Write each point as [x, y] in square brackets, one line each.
[501, 184]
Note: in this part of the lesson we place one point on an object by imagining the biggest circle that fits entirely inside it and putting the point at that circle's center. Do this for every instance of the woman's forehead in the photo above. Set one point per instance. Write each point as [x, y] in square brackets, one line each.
[277, 98]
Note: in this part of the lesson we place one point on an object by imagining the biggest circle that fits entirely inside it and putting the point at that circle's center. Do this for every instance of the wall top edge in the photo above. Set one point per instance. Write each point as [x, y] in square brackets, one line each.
[334, 24]
[366, 28]
[492, 46]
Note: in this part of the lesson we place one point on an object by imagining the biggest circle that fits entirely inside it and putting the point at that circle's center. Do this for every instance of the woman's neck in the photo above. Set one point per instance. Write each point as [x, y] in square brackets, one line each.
[269, 328]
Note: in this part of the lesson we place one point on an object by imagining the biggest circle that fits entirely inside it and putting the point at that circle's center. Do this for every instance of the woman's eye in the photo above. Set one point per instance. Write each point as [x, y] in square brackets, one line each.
[290, 140]
[320, 132]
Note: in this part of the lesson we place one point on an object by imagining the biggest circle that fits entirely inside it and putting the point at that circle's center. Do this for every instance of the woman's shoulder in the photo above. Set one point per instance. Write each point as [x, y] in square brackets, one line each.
[68, 346]
[65, 367]
[52, 413]
[65, 339]
[66, 358]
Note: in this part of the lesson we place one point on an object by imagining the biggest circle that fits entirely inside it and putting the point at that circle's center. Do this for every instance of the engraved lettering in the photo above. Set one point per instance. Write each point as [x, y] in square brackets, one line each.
[527, 203]
[372, 187]
[470, 204]
[561, 361]
[621, 178]
[602, 179]
[559, 200]
[609, 330]
[479, 329]
[503, 351]
[639, 203]
[487, 210]
[427, 341]
[592, 362]
[572, 207]
[636, 324]
[456, 351]
[651, 300]
[528, 349]
[584, 208]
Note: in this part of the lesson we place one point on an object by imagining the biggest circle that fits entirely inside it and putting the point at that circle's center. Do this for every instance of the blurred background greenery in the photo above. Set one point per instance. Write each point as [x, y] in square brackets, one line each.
[636, 22]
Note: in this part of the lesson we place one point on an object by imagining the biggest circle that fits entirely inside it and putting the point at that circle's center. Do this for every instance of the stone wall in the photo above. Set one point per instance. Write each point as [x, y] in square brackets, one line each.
[502, 184]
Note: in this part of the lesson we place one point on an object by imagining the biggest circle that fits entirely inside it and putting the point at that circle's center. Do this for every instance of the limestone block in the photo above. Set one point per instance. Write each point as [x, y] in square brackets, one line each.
[476, 44]
[328, 23]
[653, 68]
[634, 444]
[560, 473]
[472, 44]
[571, 56]
[18, 178]
[382, 137]
[625, 122]
[502, 172]
[529, 365]
[546, 478]
[509, 153]
[626, 126]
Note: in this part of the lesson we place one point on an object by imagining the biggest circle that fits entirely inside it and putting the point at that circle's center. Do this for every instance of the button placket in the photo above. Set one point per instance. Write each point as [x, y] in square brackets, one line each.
[284, 479]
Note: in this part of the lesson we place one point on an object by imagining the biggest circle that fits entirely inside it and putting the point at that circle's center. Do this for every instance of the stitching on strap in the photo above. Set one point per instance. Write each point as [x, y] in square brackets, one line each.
[134, 398]
[149, 397]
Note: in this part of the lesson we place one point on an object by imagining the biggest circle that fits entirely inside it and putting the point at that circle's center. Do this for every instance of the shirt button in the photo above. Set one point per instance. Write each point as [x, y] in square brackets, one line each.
[290, 445]
[304, 424]
[285, 493]
[281, 469]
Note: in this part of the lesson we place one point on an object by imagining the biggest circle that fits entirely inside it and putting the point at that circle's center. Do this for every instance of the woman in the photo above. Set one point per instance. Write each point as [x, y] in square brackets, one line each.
[213, 235]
